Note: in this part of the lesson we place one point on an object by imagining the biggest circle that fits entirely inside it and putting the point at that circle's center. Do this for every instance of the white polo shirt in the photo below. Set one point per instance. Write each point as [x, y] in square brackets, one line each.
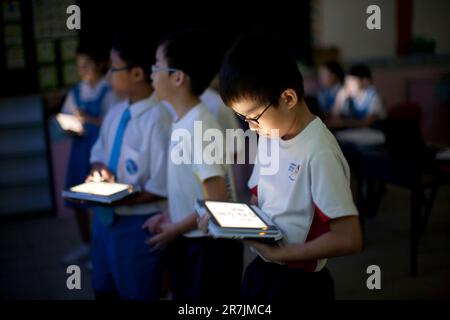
[311, 187]
[184, 180]
[370, 103]
[143, 156]
[224, 115]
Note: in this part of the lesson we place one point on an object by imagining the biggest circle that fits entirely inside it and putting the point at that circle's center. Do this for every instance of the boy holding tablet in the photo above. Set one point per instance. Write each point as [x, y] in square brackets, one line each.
[309, 197]
[131, 149]
[202, 268]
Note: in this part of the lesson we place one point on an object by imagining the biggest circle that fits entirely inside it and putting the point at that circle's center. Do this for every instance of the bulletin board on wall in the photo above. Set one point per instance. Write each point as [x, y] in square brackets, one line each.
[55, 45]
[17, 65]
[37, 50]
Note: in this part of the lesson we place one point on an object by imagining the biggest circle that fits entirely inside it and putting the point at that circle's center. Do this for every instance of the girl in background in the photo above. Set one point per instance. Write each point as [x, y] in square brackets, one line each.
[89, 100]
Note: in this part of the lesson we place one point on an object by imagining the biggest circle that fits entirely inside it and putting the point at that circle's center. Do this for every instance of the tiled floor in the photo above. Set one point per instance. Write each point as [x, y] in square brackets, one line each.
[31, 249]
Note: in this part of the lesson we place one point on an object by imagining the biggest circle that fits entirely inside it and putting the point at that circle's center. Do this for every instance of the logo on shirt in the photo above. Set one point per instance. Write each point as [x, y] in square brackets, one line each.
[294, 170]
[131, 166]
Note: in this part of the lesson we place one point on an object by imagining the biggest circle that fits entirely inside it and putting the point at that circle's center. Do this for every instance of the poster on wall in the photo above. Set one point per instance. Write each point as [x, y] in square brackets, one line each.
[15, 58]
[13, 35]
[48, 78]
[11, 11]
[69, 48]
[70, 74]
[45, 51]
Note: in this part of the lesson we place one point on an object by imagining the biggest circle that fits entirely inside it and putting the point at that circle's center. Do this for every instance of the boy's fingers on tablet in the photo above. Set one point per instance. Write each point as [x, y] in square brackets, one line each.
[202, 223]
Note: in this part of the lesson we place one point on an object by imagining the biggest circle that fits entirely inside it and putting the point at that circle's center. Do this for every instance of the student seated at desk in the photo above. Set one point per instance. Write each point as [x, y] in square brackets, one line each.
[331, 77]
[358, 103]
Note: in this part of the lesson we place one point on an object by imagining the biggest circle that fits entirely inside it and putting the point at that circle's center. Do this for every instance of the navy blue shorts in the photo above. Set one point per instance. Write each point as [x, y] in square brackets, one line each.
[267, 282]
[206, 269]
[121, 260]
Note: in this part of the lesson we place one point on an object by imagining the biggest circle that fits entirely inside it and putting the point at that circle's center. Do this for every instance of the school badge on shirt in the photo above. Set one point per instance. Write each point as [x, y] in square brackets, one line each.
[131, 166]
[294, 170]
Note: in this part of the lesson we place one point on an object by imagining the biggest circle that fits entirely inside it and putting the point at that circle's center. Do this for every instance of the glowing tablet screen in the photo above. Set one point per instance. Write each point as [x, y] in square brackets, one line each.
[70, 122]
[234, 215]
[100, 188]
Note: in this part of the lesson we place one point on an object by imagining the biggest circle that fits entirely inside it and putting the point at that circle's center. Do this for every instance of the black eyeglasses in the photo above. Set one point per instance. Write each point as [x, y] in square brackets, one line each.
[112, 69]
[253, 120]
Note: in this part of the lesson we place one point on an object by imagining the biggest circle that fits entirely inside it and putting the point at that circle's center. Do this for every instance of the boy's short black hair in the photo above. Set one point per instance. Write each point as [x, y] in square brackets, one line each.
[335, 68]
[96, 50]
[360, 71]
[136, 50]
[257, 68]
[194, 52]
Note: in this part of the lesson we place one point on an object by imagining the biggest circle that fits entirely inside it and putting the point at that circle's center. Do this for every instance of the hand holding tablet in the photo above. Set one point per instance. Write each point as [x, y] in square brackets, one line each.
[238, 221]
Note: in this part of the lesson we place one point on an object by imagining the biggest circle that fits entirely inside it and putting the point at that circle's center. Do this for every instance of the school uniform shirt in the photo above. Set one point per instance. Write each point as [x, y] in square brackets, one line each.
[224, 115]
[370, 104]
[184, 179]
[88, 93]
[326, 98]
[311, 187]
[143, 155]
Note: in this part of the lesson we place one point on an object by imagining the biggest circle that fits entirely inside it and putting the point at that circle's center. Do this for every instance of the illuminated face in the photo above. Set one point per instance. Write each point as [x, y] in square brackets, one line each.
[119, 74]
[354, 85]
[87, 68]
[162, 79]
[269, 117]
[326, 78]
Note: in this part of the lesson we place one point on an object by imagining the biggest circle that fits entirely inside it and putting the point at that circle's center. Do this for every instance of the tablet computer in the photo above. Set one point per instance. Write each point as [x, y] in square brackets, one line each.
[70, 124]
[238, 220]
[101, 192]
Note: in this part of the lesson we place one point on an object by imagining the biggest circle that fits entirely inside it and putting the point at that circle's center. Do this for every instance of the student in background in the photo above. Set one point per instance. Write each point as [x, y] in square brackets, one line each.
[89, 100]
[358, 103]
[309, 197]
[202, 268]
[223, 114]
[331, 77]
[227, 120]
[132, 149]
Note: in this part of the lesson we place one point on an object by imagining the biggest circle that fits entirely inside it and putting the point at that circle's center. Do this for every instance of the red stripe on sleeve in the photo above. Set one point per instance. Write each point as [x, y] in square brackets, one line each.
[319, 226]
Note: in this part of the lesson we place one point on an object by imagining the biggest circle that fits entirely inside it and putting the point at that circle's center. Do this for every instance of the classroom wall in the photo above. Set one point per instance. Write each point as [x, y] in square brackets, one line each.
[431, 20]
[343, 24]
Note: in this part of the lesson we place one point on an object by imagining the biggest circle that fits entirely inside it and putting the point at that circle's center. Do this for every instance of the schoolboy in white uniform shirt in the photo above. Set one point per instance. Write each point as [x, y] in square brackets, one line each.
[309, 197]
[132, 148]
[314, 177]
[202, 268]
[143, 156]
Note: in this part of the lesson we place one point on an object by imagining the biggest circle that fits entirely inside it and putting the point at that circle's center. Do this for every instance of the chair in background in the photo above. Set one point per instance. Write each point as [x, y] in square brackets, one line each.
[405, 161]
